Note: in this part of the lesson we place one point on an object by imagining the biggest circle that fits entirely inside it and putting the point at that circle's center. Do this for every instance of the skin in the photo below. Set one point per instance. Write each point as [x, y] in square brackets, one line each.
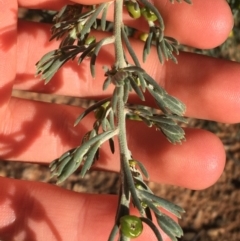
[38, 132]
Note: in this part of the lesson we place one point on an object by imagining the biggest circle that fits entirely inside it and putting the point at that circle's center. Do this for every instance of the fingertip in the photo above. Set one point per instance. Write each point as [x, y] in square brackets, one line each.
[204, 24]
[219, 25]
[200, 163]
[197, 163]
[206, 167]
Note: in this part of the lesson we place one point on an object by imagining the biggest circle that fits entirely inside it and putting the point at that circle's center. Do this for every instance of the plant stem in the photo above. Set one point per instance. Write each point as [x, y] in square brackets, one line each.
[120, 62]
[121, 115]
[119, 56]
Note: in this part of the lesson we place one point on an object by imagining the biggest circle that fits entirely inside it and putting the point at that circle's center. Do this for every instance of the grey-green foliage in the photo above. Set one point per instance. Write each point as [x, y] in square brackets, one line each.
[73, 25]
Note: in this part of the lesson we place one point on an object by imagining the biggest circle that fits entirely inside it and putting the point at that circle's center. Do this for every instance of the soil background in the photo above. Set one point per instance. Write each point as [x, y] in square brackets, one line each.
[211, 215]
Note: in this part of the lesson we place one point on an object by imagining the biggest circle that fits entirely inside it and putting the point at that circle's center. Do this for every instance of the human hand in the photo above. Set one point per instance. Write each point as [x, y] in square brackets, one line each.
[39, 132]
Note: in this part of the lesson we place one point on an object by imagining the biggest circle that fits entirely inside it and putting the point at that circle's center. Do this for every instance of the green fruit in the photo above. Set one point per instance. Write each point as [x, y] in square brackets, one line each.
[148, 14]
[133, 10]
[131, 226]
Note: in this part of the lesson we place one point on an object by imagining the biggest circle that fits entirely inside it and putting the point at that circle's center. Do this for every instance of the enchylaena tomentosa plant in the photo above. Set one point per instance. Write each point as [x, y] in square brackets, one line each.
[73, 25]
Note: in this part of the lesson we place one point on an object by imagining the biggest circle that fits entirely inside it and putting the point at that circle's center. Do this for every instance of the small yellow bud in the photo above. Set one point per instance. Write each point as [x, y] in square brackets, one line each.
[143, 37]
[231, 34]
[90, 40]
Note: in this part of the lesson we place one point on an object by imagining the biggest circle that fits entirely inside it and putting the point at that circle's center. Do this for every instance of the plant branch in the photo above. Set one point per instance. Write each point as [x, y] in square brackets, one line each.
[121, 114]
[74, 24]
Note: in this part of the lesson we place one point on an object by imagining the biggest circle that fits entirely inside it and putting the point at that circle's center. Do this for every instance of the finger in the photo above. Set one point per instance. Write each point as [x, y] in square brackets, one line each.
[209, 87]
[199, 27]
[8, 39]
[51, 213]
[194, 25]
[38, 132]
[182, 164]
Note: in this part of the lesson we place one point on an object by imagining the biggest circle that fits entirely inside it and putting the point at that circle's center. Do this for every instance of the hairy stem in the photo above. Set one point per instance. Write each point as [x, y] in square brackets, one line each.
[120, 61]
[121, 115]
[119, 56]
